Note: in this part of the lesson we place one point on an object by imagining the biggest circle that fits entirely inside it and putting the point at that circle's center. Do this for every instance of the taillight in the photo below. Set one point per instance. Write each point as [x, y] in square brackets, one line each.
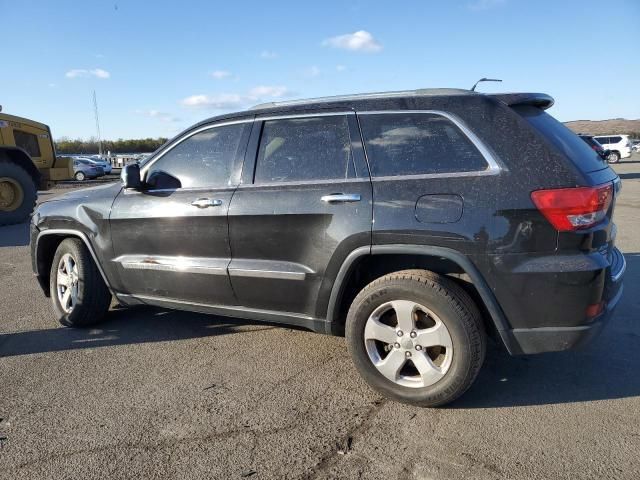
[570, 209]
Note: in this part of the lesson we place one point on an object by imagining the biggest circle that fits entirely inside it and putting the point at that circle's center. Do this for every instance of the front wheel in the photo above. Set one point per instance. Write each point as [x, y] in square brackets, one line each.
[416, 337]
[614, 157]
[18, 193]
[80, 176]
[78, 292]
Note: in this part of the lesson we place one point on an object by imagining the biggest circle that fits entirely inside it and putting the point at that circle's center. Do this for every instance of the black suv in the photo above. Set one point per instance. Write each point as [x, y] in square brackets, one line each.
[418, 223]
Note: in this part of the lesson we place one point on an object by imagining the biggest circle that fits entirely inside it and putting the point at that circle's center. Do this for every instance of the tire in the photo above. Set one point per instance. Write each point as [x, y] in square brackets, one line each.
[450, 371]
[614, 157]
[18, 193]
[92, 297]
[80, 176]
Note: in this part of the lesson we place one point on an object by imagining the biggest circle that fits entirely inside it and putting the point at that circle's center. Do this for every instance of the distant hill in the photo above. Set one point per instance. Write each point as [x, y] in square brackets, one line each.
[602, 127]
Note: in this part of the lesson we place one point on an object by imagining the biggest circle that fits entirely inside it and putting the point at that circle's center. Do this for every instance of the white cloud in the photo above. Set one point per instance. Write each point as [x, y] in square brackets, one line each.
[262, 91]
[220, 74]
[268, 54]
[360, 41]
[84, 73]
[340, 68]
[52, 85]
[231, 101]
[485, 4]
[163, 117]
[312, 72]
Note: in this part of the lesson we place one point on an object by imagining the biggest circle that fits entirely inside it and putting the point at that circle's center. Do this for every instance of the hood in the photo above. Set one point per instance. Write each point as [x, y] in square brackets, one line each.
[86, 193]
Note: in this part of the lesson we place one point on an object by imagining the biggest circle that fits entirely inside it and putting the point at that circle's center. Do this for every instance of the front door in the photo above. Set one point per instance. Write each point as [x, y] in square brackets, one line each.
[171, 239]
[303, 206]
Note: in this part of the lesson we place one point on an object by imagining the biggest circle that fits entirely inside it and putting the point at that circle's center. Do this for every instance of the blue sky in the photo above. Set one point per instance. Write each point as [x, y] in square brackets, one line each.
[158, 67]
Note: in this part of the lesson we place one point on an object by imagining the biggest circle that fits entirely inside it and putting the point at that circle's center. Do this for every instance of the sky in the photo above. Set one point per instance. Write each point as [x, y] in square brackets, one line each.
[158, 67]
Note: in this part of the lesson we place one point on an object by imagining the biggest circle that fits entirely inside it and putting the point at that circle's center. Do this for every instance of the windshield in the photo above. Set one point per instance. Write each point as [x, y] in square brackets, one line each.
[567, 142]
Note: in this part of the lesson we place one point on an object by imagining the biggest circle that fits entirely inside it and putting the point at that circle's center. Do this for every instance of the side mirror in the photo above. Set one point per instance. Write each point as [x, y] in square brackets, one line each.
[130, 176]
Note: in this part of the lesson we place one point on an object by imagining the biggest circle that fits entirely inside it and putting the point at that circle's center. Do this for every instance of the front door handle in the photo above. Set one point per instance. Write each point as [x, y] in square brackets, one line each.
[341, 197]
[206, 202]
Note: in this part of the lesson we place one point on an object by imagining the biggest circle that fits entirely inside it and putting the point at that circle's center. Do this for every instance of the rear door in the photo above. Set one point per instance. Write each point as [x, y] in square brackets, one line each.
[303, 206]
[171, 240]
[433, 181]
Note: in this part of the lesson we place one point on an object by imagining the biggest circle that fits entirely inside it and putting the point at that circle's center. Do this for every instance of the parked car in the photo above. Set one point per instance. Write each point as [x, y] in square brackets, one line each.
[595, 146]
[636, 147]
[417, 223]
[83, 169]
[104, 164]
[619, 146]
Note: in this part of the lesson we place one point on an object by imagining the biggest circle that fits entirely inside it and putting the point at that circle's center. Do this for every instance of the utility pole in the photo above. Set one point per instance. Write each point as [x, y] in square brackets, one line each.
[95, 109]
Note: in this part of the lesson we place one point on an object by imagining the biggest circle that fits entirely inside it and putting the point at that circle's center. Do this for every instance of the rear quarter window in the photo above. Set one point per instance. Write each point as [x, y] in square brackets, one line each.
[417, 144]
[563, 139]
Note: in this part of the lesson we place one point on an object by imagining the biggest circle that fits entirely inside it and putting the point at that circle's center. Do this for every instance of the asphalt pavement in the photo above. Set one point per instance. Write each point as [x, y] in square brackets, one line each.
[153, 393]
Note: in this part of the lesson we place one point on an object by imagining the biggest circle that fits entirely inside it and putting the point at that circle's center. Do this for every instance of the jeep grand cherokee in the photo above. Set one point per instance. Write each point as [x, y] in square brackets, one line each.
[418, 223]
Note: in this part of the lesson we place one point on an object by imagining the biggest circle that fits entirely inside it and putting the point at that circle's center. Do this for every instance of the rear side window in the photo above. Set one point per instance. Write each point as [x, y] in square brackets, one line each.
[416, 144]
[602, 140]
[28, 142]
[299, 149]
[562, 138]
[204, 159]
[616, 139]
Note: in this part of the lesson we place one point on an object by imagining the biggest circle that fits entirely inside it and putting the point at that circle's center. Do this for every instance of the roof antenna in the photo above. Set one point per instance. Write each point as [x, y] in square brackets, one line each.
[483, 79]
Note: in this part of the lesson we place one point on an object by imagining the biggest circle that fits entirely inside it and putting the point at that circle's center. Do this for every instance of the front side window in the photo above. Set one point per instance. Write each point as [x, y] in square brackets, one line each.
[300, 149]
[602, 140]
[204, 159]
[417, 144]
[28, 142]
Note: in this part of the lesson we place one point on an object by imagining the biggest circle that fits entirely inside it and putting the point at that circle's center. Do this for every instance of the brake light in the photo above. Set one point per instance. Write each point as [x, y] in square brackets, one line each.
[570, 209]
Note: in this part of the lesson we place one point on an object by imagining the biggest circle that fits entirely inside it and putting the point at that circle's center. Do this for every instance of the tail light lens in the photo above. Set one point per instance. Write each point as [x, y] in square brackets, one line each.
[570, 209]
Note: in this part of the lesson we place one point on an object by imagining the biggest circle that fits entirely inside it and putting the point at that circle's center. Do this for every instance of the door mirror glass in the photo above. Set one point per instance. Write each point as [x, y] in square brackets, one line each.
[161, 180]
[130, 176]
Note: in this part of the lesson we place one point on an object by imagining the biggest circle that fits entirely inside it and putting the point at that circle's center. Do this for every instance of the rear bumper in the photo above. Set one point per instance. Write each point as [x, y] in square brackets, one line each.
[556, 338]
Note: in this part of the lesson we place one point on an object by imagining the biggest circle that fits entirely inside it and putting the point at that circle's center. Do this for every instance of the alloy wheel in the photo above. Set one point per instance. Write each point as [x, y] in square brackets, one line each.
[408, 343]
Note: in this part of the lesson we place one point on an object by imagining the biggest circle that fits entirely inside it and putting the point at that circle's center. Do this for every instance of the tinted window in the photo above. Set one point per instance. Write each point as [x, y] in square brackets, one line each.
[27, 141]
[204, 159]
[602, 140]
[314, 148]
[615, 139]
[562, 138]
[417, 143]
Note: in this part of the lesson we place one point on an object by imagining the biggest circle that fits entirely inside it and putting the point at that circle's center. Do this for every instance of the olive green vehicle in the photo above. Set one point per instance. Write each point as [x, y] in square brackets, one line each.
[27, 164]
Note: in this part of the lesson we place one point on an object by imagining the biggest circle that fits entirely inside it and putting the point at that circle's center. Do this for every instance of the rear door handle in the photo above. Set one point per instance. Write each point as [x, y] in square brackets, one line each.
[206, 202]
[341, 197]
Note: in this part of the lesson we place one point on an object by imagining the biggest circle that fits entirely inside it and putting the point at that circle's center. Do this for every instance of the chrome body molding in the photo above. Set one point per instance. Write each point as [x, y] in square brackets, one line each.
[268, 269]
[216, 266]
[207, 266]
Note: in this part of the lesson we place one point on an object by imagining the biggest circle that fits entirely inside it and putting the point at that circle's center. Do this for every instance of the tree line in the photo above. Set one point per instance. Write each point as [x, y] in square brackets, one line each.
[66, 145]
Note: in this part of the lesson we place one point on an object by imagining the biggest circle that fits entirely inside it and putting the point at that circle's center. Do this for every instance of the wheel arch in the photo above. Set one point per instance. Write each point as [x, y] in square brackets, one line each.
[429, 254]
[20, 157]
[45, 248]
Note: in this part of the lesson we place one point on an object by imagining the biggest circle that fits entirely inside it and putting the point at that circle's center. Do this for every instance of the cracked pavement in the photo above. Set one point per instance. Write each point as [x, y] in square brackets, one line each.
[153, 393]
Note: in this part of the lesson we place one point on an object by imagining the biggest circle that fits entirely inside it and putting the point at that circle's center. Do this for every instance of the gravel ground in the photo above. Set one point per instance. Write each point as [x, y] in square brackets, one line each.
[160, 394]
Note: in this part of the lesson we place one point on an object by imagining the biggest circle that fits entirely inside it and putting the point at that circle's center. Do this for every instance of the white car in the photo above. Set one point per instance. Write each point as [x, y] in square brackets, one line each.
[106, 166]
[618, 145]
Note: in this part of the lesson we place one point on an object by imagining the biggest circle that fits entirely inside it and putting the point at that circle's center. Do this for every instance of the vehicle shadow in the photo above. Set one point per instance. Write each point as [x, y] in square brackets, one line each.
[629, 176]
[14, 235]
[125, 327]
[605, 369]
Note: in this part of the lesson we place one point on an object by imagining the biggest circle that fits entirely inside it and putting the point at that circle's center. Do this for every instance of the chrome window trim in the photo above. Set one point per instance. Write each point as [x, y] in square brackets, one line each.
[493, 165]
[287, 116]
[168, 148]
[81, 236]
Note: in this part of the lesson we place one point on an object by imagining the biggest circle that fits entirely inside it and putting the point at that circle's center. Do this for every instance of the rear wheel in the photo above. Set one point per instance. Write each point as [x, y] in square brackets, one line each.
[614, 157]
[78, 292]
[416, 337]
[18, 193]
